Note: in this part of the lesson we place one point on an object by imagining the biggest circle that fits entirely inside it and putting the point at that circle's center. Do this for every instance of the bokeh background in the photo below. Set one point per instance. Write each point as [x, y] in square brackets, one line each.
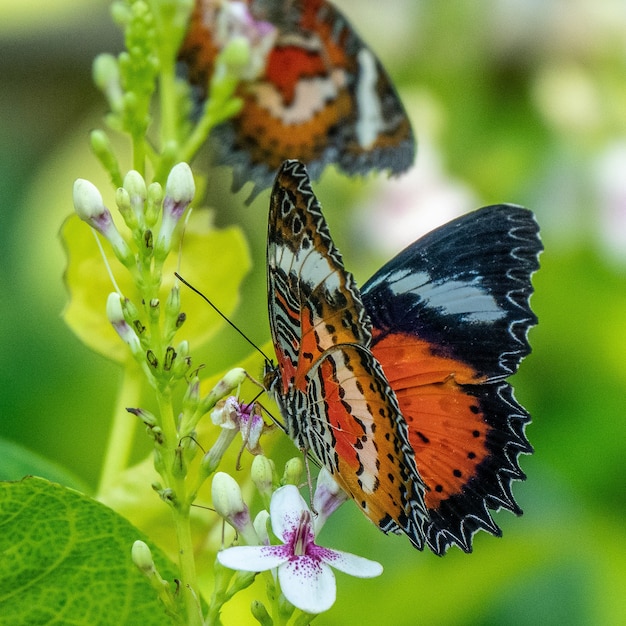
[512, 100]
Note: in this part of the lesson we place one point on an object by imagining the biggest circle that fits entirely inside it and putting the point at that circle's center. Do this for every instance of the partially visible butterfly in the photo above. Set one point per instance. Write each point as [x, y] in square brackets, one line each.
[399, 389]
[324, 96]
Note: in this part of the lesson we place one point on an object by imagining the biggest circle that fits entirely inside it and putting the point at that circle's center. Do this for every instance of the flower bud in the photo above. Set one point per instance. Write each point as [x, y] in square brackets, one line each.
[260, 614]
[171, 313]
[229, 504]
[90, 208]
[183, 360]
[135, 185]
[103, 150]
[293, 471]
[262, 474]
[192, 395]
[116, 317]
[153, 206]
[145, 416]
[260, 527]
[142, 558]
[228, 383]
[179, 191]
[122, 200]
[88, 202]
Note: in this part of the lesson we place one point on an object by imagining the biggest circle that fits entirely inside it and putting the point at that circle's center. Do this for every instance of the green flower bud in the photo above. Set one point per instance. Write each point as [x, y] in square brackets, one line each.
[103, 150]
[145, 416]
[142, 558]
[136, 187]
[293, 471]
[153, 206]
[122, 200]
[231, 380]
[262, 474]
[260, 614]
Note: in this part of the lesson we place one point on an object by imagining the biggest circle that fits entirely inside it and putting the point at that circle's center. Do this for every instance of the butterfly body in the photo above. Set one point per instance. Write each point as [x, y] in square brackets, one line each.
[323, 96]
[399, 389]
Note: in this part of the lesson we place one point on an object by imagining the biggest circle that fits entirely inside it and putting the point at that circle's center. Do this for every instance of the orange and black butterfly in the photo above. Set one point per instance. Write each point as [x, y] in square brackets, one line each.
[399, 388]
[322, 98]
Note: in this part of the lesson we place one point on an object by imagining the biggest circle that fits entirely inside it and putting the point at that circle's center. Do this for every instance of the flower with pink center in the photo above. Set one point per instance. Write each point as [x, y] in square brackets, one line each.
[304, 568]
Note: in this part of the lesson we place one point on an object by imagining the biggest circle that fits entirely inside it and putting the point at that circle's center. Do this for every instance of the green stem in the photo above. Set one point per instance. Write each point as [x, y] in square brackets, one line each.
[180, 512]
[123, 430]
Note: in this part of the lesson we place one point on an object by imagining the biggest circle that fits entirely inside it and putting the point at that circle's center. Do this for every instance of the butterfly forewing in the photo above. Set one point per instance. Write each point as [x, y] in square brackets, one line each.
[355, 416]
[332, 392]
[313, 302]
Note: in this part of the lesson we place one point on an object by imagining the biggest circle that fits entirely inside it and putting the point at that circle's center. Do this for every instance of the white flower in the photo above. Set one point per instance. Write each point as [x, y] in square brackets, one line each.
[304, 568]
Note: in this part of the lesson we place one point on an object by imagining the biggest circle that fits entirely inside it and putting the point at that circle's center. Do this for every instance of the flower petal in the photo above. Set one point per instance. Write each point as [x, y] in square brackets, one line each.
[253, 558]
[286, 508]
[328, 497]
[308, 584]
[347, 563]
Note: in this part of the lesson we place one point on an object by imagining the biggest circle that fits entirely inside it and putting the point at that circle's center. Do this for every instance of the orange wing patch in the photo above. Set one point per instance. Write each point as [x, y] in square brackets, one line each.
[446, 427]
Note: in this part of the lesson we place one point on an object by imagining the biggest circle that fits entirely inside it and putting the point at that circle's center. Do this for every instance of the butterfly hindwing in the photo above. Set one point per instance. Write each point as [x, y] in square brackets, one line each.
[464, 287]
[450, 318]
[324, 97]
[332, 392]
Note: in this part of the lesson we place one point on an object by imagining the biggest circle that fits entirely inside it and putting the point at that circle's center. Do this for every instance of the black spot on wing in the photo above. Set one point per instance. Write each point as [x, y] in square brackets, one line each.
[460, 516]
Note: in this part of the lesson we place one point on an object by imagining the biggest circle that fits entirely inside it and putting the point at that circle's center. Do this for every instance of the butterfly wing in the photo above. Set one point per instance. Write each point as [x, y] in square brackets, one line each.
[332, 392]
[450, 319]
[324, 98]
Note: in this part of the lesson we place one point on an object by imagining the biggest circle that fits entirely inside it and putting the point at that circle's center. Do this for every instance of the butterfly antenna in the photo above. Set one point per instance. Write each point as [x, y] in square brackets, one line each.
[241, 333]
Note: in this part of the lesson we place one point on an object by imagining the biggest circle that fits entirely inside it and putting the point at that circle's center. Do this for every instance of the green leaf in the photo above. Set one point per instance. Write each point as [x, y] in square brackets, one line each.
[17, 462]
[66, 559]
[215, 261]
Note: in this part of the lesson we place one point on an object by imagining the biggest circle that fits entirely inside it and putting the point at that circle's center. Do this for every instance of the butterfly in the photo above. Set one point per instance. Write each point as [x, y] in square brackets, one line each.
[399, 388]
[323, 97]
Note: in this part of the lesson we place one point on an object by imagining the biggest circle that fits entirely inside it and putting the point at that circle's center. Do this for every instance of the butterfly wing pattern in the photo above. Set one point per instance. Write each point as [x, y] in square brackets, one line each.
[399, 390]
[324, 97]
[332, 392]
[451, 316]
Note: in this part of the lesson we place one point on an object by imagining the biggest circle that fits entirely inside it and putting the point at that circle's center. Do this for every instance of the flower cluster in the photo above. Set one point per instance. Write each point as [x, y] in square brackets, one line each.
[302, 568]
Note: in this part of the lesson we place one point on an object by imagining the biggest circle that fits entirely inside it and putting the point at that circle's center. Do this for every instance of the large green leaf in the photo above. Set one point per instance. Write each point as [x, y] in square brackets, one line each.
[66, 559]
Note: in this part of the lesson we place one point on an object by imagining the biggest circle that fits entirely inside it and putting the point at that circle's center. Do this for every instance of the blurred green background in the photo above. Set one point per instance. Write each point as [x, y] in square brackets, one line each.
[512, 100]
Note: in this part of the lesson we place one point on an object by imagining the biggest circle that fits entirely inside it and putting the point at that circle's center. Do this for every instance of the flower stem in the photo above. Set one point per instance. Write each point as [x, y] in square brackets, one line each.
[123, 429]
[180, 511]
